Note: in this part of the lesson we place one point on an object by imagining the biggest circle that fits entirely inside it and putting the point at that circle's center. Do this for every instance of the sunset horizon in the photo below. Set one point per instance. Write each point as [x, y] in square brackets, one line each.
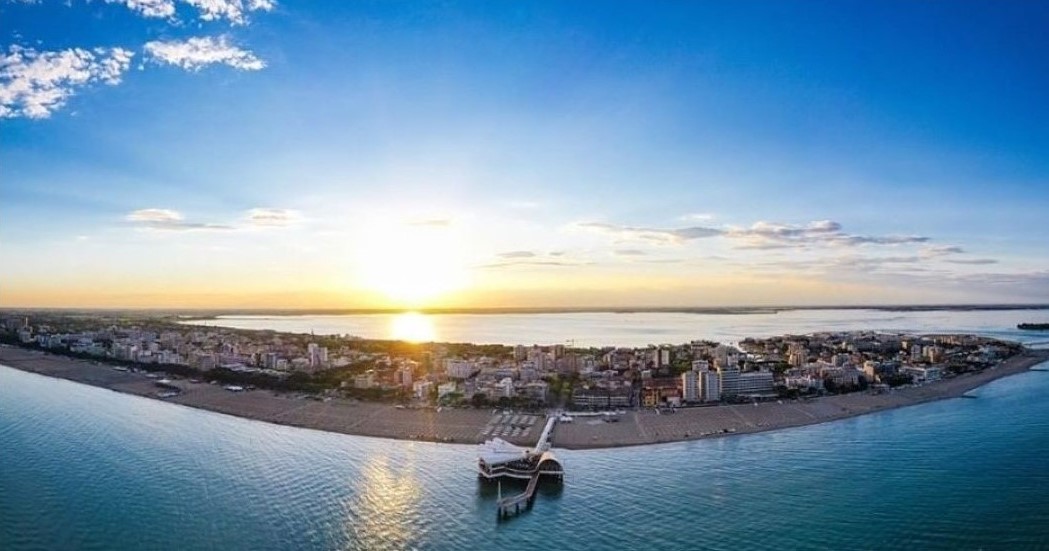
[555, 159]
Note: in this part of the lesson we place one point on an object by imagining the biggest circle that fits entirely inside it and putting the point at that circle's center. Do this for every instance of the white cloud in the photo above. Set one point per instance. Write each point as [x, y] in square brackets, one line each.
[154, 215]
[698, 217]
[933, 251]
[149, 8]
[34, 84]
[269, 217]
[194, 53]
[517, 254]
[761, 235]
[654, 235]
[526, 258]
[231, 10]
[234, 11]
[167, 219]
[973, 261]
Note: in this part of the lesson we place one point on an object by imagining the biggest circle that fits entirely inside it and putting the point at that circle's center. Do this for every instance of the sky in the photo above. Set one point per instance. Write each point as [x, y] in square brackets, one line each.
[306, 154]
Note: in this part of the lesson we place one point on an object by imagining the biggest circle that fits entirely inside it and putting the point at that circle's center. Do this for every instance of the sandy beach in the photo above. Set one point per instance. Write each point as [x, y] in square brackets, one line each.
[467, 426]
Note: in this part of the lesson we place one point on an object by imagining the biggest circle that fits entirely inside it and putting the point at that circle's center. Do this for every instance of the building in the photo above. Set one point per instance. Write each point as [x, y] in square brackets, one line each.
[728, 380]
[710, 386]
[755, 382]
[460, 369]
[445, 389]
[923, 374]
[364, 380]
[690, 386]
[404, 376]
[602, 398]
[537, 391]
[658, 392]
[804, 382]
[841, 376]
[317, 355]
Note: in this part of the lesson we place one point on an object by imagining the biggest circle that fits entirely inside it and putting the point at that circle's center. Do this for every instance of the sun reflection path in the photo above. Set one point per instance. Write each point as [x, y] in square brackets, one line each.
[386, 512]
[412, 327]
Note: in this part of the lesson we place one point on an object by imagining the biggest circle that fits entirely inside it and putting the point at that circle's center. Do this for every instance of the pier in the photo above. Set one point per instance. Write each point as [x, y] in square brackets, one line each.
[514, 505]
[498, 459]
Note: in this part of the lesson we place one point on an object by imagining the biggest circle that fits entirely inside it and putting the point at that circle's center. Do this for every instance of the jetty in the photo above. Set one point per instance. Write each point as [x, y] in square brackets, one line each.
[498, 459]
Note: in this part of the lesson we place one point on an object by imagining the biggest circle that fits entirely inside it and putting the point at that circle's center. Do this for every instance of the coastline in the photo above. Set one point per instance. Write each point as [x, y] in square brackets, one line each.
[471, 426]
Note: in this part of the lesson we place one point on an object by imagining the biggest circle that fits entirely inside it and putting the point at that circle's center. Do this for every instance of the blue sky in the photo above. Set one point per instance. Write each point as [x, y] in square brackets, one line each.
[524, 154]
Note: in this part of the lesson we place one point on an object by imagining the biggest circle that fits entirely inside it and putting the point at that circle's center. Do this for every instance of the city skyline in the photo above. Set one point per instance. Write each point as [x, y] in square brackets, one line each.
[290, 155]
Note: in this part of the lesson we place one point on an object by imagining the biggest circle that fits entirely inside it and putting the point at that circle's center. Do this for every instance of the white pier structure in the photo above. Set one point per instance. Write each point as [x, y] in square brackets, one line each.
[497, 459]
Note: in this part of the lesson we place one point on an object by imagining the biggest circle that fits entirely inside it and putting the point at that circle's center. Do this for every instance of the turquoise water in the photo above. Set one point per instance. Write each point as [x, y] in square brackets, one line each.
[86, 468]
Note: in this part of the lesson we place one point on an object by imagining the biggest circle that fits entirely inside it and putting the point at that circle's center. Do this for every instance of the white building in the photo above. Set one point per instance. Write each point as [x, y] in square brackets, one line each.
[317, 355]
[460, 369]
[505, 388]
[923, 374]
[446, 388]
[690, 386]
[710, 386]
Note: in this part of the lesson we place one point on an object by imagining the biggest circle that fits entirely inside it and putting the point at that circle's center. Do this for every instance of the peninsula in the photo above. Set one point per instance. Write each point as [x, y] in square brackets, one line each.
[466, 394]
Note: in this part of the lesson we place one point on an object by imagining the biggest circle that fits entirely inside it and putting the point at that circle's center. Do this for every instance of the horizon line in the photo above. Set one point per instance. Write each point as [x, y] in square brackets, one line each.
[539, 309]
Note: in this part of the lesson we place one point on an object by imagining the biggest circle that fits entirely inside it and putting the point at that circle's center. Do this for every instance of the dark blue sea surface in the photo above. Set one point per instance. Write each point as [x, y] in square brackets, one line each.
[87, 468]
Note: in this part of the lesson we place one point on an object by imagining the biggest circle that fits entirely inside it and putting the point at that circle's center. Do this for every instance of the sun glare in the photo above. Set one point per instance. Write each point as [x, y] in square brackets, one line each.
[412, 327]
[412, 265]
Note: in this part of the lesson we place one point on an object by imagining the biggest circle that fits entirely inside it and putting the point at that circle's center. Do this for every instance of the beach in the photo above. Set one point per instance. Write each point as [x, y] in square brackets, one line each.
[468, 426]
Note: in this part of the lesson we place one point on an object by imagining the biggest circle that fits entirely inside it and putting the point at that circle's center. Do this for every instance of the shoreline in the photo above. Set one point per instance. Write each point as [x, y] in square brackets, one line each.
[472, 426]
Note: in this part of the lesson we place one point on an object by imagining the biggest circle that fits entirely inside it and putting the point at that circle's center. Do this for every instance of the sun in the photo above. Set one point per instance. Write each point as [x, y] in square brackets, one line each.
[412, 327]
[412, 265]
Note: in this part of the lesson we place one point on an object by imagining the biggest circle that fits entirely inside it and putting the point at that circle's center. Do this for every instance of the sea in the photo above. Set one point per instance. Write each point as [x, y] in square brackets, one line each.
[87, 468]
[597, 329]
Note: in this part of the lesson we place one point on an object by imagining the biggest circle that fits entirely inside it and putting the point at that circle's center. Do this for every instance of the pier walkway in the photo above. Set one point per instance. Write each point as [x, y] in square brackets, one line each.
[544, 438]
[513, 505]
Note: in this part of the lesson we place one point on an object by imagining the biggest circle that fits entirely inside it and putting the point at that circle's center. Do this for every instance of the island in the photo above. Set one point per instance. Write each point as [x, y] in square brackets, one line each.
[467, 393]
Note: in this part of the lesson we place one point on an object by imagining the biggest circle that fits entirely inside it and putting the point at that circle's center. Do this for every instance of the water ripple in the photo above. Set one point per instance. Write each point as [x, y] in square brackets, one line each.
[85, 468]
